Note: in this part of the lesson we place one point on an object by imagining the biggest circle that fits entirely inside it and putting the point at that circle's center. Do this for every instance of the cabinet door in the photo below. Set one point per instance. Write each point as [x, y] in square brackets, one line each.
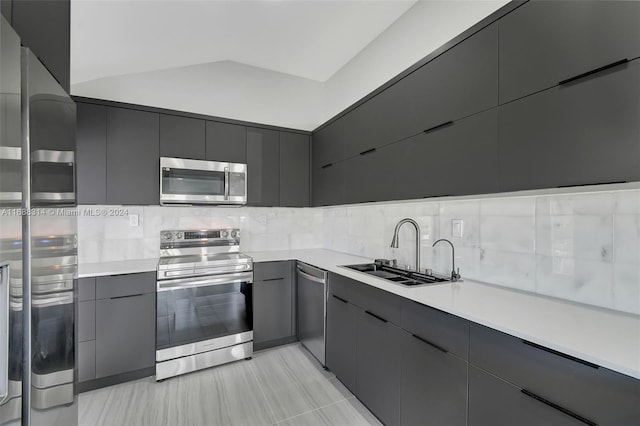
[182, 137]
[371, 176]
[494, 402]
[545, 42]
[378, 366]
[263, 167]
[125, 334]
[434, 385]
[584, 133]
[133, 157]
[328, 184]
[341, 340]
[440, 162]
[272, 303]
[91, 154]
[86, 320]
[86, 360]
[294, 170]
[226, 142]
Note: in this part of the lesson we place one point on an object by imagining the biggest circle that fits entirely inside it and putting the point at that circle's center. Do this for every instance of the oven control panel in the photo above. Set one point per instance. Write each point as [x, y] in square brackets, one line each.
[200, 236]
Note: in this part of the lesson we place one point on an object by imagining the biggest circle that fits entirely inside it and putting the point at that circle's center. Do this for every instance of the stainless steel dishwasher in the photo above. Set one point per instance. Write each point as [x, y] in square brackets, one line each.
[312, 309]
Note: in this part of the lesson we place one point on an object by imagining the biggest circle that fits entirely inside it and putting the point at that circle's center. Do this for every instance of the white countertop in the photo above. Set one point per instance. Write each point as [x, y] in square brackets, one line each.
[604, 337]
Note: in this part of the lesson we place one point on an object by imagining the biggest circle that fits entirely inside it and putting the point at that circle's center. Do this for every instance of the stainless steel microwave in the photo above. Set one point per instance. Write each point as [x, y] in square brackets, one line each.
[184, 181]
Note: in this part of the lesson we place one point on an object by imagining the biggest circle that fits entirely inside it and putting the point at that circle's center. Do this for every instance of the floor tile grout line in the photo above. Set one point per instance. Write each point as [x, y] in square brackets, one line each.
[315, 409]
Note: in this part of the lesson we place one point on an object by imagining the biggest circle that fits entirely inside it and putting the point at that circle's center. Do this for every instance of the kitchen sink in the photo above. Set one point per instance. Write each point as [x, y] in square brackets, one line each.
[399, 275]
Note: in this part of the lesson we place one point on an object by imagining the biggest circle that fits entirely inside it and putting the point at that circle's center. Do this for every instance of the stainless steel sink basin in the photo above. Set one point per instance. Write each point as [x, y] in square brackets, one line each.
[399, 275]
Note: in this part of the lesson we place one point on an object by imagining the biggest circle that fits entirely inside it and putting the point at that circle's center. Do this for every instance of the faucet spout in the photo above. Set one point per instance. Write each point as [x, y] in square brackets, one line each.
[395, 241]
[455, 275]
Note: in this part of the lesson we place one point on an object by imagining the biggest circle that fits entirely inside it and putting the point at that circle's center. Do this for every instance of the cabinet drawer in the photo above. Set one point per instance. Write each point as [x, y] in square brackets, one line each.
[378, 302]
[86, 320]
[439, 328]
[125, 285]
[601, 395]
[264, 271]
[86, 289]
[545, 42]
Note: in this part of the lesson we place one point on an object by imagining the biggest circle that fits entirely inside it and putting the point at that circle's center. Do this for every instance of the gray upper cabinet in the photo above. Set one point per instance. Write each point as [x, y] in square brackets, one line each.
[458, 83]
[328, 185]
[545, 42]
[440, 162]
[182, 137]
[294, 170]
[133, 157]
[587, 132]
[91, 153]
[226, 142]
[371, 176]
[263, 167]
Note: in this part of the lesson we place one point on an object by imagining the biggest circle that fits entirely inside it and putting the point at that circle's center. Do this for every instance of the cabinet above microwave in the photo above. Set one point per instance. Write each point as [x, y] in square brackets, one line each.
[185, 181]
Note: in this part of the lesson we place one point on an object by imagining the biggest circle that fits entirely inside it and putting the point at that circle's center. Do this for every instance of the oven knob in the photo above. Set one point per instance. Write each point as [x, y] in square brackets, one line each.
[234, 234]
[179, 235]
[167, 236]
[225, 234]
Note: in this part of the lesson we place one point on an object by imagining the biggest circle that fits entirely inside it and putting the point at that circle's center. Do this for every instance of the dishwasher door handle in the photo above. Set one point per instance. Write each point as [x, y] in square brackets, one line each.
[311, 277]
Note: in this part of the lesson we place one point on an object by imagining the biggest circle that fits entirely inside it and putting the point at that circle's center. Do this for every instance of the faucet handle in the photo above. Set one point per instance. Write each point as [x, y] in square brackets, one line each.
[455, 276]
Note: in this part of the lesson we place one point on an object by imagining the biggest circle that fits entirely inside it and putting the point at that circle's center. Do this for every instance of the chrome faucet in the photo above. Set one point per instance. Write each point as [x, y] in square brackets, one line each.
[395, 243]
[455, 276]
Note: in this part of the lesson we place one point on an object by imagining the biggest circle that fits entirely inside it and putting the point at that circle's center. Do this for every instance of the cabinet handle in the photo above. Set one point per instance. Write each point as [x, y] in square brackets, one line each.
[327, 166]
[554, 352]
[437, 196]
[340, 298]
[558, 407]
[439, 126]
[592, 184]
[433, 345]
[595, 71]
[369, 151]
[272, 279]
[123, 297]
[375, 316]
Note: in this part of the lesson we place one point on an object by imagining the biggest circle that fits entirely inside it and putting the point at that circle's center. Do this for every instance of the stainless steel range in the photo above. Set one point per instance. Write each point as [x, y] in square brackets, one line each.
[204, 301]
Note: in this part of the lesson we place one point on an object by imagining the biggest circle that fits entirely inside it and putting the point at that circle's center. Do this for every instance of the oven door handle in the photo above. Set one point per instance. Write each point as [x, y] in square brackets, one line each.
[240, 277]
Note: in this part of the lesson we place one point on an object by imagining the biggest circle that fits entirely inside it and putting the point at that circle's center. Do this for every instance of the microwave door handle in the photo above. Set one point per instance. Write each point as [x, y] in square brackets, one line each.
[226, 183]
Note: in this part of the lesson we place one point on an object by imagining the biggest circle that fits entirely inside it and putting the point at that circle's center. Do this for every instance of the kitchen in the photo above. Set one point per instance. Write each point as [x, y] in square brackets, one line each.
[414, 224]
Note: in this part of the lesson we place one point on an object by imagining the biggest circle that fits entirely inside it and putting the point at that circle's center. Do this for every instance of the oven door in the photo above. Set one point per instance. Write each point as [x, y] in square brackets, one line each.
[192, 313]
[184, 181]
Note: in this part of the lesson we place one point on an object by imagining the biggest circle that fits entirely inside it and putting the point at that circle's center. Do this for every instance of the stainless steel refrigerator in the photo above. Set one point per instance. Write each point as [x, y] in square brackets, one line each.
[38, 241]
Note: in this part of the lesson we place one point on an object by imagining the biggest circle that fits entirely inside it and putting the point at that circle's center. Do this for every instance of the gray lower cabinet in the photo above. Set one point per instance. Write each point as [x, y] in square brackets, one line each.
[378, 366]
[495, 402]
[125, 334]
[545, 42]
[294, 170]
[182, 137]
[133, 153]
[263, 167]
[116, 333]
[226, 142]
[434, 384]
[91, 153]
[273, 304]
[341, 340]
[584, 133]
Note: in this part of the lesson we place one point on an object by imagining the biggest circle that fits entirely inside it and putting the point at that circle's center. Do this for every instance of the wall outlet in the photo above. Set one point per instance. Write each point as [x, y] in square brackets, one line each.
[133, 220]
[457, 228]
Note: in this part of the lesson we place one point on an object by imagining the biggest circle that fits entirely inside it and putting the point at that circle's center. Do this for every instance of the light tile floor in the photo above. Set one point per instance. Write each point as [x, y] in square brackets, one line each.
[283, 385]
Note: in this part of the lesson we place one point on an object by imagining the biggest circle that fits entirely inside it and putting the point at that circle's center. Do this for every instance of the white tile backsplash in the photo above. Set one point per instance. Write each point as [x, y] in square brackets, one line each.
[583, 247]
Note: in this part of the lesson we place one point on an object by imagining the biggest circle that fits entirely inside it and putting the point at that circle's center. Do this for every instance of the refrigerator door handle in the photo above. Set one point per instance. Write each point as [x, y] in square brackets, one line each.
[4, 368]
